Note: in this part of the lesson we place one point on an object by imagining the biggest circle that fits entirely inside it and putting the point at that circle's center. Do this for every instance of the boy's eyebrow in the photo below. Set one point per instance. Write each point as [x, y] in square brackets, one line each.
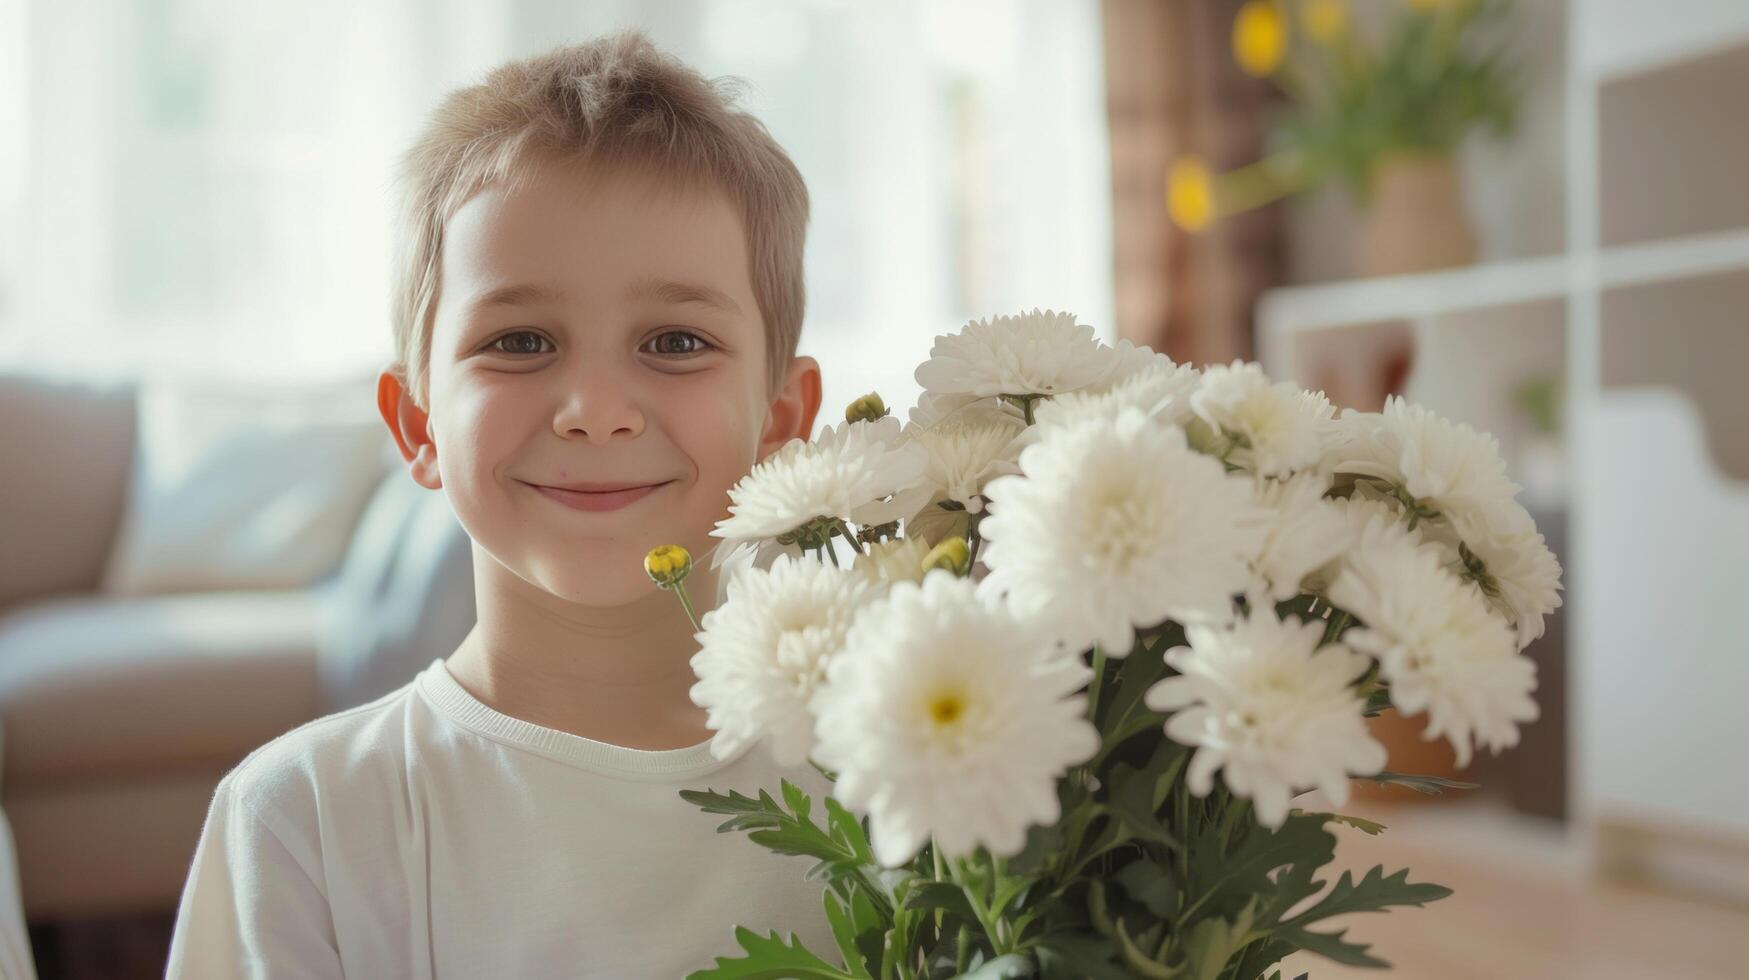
[670, 291]
[519, 295]
[666, 290]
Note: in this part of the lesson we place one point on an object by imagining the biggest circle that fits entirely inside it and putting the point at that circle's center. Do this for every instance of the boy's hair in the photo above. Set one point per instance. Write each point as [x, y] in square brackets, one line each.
[612, 101]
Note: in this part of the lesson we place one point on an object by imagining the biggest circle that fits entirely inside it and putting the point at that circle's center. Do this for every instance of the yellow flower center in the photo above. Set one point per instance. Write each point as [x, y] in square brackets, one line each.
[945, 709]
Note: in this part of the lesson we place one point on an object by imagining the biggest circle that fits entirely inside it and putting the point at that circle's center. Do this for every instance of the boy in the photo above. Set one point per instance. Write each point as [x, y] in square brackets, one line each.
[596, 333]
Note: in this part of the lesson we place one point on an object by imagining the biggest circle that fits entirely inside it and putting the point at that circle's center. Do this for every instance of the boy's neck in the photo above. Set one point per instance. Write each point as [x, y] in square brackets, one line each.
[621, 676]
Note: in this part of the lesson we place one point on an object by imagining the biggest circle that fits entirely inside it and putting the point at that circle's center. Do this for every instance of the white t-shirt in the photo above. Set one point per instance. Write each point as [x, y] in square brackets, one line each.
[426, 835]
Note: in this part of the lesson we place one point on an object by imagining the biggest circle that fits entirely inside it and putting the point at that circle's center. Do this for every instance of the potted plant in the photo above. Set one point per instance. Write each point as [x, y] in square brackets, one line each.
[1383, 110]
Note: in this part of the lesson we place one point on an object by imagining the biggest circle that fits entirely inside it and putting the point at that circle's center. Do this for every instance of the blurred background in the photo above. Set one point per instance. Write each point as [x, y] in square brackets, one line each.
[1529, 215]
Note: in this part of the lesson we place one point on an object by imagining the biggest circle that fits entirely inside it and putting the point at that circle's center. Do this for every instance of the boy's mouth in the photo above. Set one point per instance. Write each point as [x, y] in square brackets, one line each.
[601, 487]
[616, 496]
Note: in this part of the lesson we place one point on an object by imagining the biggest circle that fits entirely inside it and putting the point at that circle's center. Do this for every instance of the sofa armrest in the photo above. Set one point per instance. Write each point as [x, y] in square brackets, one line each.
[403, 597]
[68, 449]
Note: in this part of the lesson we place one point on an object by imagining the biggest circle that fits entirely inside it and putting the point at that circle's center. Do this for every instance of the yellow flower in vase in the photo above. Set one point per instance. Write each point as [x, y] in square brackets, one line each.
[1260, 38]
[1190, 195]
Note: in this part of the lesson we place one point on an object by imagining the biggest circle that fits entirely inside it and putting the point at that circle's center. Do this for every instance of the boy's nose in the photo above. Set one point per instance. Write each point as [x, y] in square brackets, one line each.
[599, 408]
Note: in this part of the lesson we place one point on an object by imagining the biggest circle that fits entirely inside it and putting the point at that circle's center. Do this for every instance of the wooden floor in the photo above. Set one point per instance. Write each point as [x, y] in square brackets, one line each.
[1523, 906]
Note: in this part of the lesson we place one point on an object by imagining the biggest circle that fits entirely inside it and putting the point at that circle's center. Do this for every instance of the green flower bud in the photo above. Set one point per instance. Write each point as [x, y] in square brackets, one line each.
[951, 554]
[866, 409]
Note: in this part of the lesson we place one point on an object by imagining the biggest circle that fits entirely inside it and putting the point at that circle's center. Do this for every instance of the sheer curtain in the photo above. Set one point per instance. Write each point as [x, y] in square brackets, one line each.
[204, 186]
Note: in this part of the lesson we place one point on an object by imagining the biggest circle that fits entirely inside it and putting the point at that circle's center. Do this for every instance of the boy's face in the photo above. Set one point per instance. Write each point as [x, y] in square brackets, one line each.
[596, 329]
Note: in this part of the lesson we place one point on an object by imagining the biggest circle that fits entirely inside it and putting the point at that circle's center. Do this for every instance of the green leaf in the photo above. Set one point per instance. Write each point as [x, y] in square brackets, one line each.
[1233, 877]
[943, 895]
[1042, 844]
[844, 853]
[1376, 702]
[1138, 672]
[871, 923]
[770, 958]
[1357, 823]
[713, 802]
[1007, 967]
[1374, 892]
[1213, 941]
[1430, 785]
[1331, 945]
[1136, 794]
[796, 798]
[1078, 956]
[844, 933]
[1150, 884]
[848, 831]
[1139, 963]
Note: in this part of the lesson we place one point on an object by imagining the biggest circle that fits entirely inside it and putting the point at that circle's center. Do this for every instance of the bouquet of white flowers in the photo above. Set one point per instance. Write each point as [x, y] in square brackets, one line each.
[1082, 581]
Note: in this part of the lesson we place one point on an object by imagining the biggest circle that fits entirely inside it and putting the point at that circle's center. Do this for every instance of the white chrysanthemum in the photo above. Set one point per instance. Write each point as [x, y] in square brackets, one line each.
[1119, 525]
[763, 653]
[860, 472]
[932, 408]
[1303, 532]
[1273, 428]
[1520, 575]
[1438, 644]
[1157, 387]
[1355, 513]
[892, 560]
[1037, 353]
[946, 716]
[1129, 359]
[1447, 467]
[1264, 702]
[966, 450]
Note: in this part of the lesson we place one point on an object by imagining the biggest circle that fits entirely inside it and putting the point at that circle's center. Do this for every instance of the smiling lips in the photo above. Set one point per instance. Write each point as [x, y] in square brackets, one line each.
[613, 497]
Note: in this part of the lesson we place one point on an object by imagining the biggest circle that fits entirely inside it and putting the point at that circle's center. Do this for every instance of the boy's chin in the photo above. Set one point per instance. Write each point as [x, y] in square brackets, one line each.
[604, 577]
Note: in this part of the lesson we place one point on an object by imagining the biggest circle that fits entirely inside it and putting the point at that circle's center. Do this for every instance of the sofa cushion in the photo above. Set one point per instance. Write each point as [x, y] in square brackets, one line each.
[94, 687]
[240, 485]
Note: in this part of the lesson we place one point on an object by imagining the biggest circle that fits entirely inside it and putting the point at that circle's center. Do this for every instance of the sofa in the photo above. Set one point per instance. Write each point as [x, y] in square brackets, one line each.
[120, 711]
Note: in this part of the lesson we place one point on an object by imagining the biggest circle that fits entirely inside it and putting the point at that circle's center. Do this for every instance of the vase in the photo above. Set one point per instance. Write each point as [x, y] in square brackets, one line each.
[1407, 752]
[1415, 217]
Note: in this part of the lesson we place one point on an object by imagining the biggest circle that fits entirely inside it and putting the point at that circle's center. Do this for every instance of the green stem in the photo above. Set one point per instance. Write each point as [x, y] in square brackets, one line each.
[1181, 804]
[686, 604]
[935, 856]
[1338, 622]
[844, 530]
[1097, 682]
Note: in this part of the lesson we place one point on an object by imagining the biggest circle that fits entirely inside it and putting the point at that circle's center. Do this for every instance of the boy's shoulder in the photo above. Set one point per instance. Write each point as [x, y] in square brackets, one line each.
[321, 758]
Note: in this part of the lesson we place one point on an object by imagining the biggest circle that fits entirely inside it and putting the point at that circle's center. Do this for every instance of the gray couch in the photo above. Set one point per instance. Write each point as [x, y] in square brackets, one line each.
[120, 714]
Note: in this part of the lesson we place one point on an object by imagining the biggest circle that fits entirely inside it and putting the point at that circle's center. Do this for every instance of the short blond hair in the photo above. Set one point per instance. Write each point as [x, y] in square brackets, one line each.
[615, 100]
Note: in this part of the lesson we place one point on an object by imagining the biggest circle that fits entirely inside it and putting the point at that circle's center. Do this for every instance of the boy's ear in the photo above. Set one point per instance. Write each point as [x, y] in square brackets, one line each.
[410, 426]
[793, 410]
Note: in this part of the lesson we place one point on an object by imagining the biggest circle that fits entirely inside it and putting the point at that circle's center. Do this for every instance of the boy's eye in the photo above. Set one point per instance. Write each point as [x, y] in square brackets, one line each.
[677, 343]
[519, 348]
[680, 342]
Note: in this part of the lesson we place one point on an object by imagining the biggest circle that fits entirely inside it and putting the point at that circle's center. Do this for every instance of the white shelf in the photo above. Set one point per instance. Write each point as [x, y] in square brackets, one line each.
[1421, 295]
[1629, 37]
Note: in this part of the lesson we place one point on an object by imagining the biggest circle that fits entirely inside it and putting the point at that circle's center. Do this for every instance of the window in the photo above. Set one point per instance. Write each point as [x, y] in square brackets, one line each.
[193, 185]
